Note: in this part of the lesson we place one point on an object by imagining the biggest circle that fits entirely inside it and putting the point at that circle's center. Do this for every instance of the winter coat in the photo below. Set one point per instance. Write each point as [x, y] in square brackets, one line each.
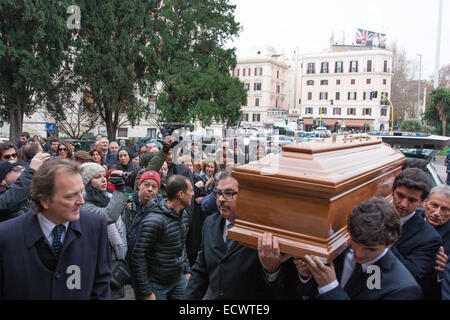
[160, 254]
[15, 199]
[116, 227]
[112, 211]
[132, 168]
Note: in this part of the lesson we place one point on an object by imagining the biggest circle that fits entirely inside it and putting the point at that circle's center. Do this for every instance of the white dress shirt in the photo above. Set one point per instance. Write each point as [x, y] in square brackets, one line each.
[349, 266]
[47, 228]
[403, 220]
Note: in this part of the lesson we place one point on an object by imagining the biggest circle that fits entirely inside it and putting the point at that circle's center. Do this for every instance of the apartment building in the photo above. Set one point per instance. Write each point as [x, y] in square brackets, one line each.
[345, 86]
[264, 78]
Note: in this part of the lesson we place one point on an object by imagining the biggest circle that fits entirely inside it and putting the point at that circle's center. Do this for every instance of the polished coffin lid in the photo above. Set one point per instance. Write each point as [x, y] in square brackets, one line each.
[304, 194]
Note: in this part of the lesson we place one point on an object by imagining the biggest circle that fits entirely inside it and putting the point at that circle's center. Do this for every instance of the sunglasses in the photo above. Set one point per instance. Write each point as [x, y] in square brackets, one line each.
[62, 149]
[9, 156]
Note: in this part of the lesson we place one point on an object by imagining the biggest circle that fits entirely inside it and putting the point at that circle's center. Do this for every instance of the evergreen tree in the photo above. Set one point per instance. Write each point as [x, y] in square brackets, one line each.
[194, 68]
[109, 58]
[438, 111]
[33, 35]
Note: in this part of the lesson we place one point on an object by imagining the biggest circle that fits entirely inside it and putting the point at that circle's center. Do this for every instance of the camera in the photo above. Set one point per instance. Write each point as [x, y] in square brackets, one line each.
[168, 128]
[126, 174]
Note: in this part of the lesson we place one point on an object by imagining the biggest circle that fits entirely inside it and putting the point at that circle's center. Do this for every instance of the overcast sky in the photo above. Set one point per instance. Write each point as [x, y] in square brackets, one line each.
[308, 24]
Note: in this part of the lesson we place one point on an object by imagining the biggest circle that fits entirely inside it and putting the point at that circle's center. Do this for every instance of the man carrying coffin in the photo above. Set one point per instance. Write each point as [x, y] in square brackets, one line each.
[367, 270]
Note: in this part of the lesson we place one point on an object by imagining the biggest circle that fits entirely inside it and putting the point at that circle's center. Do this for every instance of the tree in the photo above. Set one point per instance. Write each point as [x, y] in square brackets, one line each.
[403, 89]
[439, 108]
[194, 68]
[411, 126]
[109, 48]
[33, 35]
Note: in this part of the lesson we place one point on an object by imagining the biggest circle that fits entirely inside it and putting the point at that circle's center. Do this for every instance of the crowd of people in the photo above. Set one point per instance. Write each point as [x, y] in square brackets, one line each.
[85, 224]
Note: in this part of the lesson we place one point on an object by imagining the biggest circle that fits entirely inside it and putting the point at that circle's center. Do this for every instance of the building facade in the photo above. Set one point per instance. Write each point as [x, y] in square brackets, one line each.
[344, 87]
[264, 78]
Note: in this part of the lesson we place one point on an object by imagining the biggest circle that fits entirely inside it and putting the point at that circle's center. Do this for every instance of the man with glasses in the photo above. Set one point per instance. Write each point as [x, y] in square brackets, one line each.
[8, 151]
[15, 183]
[230, 270]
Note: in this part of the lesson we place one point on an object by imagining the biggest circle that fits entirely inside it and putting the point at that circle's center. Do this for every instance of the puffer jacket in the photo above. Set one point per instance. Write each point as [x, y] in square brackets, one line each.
[160, 252]
[15, 199]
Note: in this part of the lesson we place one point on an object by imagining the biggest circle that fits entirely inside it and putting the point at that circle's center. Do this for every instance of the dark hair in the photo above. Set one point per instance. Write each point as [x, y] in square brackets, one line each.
[175, 184]
[414, 178]
[31, 149]
[374, 222]
[54, 140]
[68, 147]
[25, 134]
[415, 163]
[6, 146]
[102, 155]
[222, 175]
[43, 182]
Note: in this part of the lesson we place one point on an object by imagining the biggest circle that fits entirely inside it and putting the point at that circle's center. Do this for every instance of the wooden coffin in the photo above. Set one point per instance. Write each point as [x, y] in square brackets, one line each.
[304, 194]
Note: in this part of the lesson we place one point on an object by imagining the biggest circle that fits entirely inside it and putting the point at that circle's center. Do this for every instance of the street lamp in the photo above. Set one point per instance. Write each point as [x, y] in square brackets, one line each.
[418, 90]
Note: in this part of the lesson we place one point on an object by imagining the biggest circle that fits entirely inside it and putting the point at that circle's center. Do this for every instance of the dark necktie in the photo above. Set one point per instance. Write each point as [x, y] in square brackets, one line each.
[354, 277]
[57, 244]
[229, 242]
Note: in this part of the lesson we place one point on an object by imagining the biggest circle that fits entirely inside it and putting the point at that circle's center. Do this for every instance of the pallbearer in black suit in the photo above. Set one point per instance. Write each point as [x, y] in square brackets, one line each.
[437, 214]
[419, 242]
[230, 270]
[367, 270]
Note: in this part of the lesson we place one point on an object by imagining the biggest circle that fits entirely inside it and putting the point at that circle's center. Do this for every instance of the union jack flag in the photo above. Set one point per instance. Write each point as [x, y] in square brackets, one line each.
[370, 38]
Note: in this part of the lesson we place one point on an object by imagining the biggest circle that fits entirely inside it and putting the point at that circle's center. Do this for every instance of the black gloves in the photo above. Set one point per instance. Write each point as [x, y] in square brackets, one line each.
[118, 182]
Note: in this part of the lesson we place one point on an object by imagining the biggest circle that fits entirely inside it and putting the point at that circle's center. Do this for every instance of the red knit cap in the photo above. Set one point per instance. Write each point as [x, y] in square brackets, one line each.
[150, 175]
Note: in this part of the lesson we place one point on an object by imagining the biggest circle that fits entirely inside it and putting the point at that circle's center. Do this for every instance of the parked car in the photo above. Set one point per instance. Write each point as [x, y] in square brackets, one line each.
[419, 149]
[281, 140]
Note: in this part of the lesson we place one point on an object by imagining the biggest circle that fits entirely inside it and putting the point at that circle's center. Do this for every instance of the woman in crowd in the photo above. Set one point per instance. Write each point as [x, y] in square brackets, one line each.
[142, 148]
[65, 150]
[209, 169]
[98, 157]
[99, 201]
[128, 168]
[163, 174]
[136, 158]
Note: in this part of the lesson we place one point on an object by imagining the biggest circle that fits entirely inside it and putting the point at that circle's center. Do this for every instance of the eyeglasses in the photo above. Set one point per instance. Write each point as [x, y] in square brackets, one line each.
[9, 156]
[62, 149]
[227, 195]
[18, 169]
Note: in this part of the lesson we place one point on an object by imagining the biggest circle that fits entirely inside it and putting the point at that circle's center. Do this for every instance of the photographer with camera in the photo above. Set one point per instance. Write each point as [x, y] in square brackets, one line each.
[98, 200]
[15, 181]
[165, 155]
[128, 169]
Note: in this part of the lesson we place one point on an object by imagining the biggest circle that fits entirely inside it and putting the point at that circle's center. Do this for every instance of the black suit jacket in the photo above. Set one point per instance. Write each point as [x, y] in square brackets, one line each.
[233, 273]
[396, 283]
[431, 287]
[446, 283]
[28, 270]
[417, 246]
